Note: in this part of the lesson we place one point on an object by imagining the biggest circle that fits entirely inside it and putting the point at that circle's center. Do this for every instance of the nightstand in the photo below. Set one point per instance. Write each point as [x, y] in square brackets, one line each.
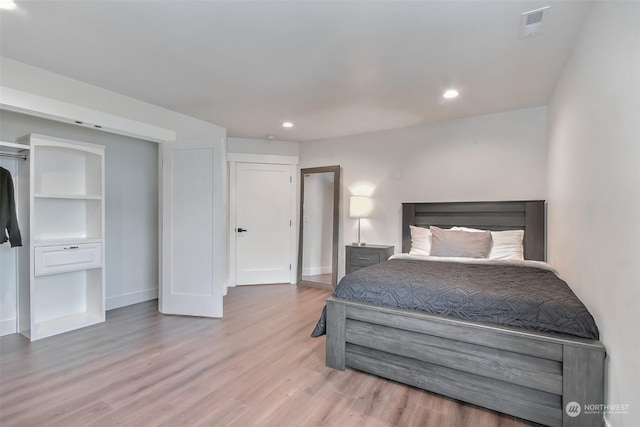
[359, 257]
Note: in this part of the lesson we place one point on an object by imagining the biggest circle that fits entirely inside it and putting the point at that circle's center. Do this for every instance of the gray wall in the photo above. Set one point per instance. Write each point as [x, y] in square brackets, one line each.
[131, 219]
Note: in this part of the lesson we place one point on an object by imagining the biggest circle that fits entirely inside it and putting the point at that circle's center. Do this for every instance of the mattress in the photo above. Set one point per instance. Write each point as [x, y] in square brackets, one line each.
[520, 294]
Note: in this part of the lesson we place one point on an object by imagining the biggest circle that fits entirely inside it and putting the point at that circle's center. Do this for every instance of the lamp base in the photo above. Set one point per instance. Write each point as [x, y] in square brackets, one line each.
[358, 244]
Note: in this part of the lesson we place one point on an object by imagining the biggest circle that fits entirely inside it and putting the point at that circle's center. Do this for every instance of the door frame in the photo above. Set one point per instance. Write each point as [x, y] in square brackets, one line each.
[335, 217]
[234, 159]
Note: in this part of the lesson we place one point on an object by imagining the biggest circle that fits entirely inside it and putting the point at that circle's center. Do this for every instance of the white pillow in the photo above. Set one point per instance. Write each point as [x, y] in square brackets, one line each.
[506, 244]
[420, 241]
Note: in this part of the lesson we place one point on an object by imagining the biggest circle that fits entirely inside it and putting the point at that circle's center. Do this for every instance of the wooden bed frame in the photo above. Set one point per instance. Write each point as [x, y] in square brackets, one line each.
[532, 375]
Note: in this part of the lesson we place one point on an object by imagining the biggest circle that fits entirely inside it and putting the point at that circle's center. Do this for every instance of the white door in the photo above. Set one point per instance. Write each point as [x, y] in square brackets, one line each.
[190, 200]
[263, 223]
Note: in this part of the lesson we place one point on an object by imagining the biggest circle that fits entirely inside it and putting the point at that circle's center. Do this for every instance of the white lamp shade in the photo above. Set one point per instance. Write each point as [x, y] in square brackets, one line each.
[360, 206]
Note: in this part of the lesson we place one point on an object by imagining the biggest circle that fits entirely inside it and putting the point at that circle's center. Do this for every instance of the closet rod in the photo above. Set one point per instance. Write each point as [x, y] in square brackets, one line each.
[14, 155]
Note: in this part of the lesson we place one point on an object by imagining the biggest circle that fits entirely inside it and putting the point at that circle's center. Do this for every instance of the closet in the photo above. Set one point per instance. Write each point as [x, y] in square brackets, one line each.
[60, 271]
[13, 158]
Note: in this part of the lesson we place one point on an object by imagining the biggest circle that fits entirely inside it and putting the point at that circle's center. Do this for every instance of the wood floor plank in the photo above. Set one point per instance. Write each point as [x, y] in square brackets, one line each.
[258, 366]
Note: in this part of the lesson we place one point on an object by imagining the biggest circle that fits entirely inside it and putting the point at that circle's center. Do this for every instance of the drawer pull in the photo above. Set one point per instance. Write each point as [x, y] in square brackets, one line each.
[71, 247]
[364, 259]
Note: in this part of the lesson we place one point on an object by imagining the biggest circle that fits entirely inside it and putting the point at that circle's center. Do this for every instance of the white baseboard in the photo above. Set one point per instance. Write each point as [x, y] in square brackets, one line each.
[314, 271]
[8, 327]
[132, 298]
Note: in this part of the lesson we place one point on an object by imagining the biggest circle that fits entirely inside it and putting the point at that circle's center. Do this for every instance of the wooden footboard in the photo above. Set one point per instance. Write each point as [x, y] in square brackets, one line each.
[530, 375]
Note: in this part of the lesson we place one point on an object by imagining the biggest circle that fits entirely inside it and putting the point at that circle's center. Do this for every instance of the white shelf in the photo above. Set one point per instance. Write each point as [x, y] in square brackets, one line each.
[58, 242]
[66, 196]
[12, 147]
[62, 169]
[67, 218]
[64, 324]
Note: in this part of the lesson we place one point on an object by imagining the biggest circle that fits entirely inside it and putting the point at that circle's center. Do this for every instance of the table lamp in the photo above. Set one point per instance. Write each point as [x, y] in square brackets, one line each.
[360, 207]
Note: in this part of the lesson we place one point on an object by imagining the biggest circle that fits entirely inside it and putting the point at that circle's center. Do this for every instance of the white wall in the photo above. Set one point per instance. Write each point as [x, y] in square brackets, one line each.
[262, 146]
[24, 77]
[131, 217]
[594, 189]
[493, 157]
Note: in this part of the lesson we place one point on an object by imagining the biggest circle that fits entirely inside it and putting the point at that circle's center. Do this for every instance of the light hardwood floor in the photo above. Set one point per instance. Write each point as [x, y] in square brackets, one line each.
[257, 366]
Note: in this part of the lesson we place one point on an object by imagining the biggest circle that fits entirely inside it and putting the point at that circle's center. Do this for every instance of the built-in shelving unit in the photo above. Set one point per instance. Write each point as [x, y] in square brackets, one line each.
[13, 157]
[66, 288]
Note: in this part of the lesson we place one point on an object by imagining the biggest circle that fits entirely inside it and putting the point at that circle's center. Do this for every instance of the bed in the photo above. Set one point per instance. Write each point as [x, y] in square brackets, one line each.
[543, 377]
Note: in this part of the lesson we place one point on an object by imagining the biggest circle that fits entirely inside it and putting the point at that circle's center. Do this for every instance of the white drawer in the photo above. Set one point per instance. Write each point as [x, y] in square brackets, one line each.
[72, 257]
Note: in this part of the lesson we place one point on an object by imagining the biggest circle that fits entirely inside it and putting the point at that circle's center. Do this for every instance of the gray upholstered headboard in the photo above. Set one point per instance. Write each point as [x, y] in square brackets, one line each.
[526, 215]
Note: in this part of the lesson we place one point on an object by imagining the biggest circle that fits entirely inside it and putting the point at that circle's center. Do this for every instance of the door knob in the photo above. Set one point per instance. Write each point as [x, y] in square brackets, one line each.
[240, 230]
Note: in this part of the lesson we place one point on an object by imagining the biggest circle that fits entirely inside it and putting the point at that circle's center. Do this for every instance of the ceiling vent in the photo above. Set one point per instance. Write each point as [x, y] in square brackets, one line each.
[531, 22]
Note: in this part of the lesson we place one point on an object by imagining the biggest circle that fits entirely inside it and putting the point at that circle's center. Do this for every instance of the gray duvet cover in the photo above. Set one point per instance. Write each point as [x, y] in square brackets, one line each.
[518, 296]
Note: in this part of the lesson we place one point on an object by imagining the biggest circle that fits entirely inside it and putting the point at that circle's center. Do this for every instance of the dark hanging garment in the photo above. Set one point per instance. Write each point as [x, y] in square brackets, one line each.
[8, 217]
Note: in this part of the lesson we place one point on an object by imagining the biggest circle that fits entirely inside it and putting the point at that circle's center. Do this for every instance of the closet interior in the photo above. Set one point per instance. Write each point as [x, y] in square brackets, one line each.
[13, 158]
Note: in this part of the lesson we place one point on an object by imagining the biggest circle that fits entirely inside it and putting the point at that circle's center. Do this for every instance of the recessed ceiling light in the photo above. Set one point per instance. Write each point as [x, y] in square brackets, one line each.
[7, 4]
[287, 125]
[450, 94]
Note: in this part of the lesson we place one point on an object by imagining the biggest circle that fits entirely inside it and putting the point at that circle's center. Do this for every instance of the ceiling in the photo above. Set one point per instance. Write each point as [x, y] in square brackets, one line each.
[332, 68]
